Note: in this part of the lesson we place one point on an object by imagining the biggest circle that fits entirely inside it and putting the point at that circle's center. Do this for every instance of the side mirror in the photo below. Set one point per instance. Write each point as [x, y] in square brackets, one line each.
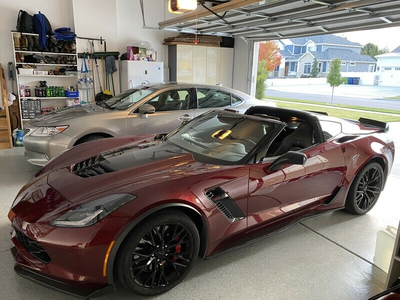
[290, 157]
[146, 109]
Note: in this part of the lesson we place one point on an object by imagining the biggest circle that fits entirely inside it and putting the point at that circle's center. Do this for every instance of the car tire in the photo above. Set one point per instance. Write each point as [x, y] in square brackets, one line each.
[158, 254]
[365, 189]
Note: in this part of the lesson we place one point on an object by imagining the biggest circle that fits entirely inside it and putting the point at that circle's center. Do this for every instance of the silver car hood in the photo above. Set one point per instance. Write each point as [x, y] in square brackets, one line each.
[62, 116]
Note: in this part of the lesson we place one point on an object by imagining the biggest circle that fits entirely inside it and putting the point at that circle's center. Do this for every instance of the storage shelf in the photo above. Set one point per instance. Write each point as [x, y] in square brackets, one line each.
[65, 58]
[47, 98]
[57, 76]
[45, 53]
[50, 65]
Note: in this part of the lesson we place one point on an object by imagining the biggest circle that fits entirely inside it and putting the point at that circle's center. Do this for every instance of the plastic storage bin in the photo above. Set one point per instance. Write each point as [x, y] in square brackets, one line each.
[72, 94]
[384, 247]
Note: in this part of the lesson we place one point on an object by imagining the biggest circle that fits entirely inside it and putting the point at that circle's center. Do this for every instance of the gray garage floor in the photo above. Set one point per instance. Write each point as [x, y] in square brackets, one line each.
[326, 257]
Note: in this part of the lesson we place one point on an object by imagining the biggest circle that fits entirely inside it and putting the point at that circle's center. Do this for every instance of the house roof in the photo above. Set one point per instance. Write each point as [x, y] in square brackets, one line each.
[397, 50]
[289, 56]
[343, 55]
[325, 39]
[329, 54]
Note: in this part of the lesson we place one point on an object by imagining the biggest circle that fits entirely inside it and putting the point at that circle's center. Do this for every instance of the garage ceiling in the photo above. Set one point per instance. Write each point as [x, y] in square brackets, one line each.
[277, 19]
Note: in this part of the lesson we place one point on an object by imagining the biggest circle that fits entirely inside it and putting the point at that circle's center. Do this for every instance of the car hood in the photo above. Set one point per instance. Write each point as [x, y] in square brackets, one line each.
[132, 168]
[125, 169]
[62, 116]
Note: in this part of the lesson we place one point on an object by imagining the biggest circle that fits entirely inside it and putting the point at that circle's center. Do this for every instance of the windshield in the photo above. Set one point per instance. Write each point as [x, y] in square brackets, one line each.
[128, 98]
[222, 135]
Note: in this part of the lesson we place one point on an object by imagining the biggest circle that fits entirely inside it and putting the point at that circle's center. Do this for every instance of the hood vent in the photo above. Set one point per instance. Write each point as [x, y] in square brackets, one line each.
[225, 204]
[91, 167]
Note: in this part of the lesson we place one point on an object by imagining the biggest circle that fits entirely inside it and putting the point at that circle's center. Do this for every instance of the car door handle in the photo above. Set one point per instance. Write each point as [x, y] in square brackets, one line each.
[185, 118]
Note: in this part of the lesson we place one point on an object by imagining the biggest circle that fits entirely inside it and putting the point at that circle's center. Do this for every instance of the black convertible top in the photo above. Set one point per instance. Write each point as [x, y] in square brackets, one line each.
[290, 116]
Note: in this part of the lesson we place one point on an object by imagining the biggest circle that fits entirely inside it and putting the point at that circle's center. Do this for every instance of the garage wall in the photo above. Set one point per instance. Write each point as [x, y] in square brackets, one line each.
[119, 22]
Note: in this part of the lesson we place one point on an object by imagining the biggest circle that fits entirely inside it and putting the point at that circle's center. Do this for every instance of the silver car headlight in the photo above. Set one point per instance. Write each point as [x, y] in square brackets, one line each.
[92, 212]
[48, 131]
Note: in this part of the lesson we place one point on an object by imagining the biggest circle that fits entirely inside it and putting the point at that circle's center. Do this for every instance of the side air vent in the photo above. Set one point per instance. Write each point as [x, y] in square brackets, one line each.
[225, 204]
[346, 138]
[91, 167]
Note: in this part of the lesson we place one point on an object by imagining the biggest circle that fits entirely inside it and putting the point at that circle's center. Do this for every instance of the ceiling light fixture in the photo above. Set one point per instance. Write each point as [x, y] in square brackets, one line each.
[181, 6]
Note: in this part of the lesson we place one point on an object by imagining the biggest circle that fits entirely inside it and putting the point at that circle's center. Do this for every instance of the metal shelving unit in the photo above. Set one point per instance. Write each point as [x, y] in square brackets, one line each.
[50, 62]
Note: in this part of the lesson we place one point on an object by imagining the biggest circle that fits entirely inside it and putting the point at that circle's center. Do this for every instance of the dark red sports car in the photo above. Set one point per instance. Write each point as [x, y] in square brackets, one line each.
[141, 209]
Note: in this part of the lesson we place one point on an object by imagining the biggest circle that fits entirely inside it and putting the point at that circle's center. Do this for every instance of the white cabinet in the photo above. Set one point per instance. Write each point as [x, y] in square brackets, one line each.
[201, 64]
[135, 72]
[56, 70]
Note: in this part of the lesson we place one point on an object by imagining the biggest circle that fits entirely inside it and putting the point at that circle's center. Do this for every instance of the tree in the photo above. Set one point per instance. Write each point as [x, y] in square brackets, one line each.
[334, 77]
[268, 58]
[269, 52]
[262, 75]
[314, 69]
[373, 50]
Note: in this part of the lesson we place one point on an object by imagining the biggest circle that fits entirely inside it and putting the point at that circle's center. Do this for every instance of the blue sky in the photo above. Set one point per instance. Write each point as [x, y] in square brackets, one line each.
[387, 37]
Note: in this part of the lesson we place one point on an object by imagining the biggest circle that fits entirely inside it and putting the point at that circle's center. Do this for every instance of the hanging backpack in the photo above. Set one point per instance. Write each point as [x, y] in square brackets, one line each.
[25, 22]
[42, 24]
[43, 28]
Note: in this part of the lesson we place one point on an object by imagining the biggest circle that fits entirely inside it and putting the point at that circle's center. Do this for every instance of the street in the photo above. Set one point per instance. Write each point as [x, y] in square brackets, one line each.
[355, 95]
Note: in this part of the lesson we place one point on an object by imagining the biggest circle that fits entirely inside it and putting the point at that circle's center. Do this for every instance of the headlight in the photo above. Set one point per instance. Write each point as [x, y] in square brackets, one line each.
[92, 212]
[48, 131]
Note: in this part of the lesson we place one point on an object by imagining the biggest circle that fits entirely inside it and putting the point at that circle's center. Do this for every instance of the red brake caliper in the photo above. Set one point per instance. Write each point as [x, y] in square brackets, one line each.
[177, 249]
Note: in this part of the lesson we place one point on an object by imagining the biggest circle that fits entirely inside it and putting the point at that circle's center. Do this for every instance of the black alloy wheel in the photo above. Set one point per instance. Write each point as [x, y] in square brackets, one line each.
[159, 254]
[365, 190]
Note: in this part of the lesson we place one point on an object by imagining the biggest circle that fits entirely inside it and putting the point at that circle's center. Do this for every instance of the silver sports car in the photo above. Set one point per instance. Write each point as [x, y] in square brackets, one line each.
[141, 110]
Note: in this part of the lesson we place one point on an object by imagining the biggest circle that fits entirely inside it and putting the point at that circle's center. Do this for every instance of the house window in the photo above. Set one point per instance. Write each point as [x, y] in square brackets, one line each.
[319, 48]
[293, 67]
[343, 63]
[310, 48]
[276, 68]
[319, 67]
[371, 68]
[289, 48]
[324, 67]
[297, 49]
[397, 69]
[307, 68]
[386, 68]
[352, 64]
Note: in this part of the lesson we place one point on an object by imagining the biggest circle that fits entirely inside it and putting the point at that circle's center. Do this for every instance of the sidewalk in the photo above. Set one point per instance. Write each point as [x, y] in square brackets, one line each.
[359, 91]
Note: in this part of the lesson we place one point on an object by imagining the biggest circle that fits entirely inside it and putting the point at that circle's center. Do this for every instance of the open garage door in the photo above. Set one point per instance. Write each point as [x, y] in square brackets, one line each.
[255, 20]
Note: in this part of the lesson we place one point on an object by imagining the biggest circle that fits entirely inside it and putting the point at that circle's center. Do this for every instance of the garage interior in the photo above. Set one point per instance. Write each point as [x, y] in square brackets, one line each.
[332, 256]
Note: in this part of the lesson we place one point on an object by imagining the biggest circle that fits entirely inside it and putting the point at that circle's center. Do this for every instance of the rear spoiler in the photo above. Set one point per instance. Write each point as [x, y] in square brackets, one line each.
[373, 123]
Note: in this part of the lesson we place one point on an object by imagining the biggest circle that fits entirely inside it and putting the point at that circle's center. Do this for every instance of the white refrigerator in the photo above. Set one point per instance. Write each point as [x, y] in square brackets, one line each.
[135, 72]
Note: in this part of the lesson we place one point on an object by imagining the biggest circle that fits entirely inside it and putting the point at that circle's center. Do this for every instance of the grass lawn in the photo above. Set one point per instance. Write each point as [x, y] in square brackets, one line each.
[341, 111]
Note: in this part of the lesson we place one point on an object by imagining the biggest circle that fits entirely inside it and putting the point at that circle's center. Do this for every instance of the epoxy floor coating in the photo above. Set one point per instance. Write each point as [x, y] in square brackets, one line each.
[327, 257]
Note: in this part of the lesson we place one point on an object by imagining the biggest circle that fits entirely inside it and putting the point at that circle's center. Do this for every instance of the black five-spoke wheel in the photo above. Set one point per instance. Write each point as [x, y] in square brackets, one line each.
[365, 190]
[159, 254]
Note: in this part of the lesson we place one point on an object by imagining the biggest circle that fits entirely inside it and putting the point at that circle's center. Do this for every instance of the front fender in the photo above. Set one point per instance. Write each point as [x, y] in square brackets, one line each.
[119, 241]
